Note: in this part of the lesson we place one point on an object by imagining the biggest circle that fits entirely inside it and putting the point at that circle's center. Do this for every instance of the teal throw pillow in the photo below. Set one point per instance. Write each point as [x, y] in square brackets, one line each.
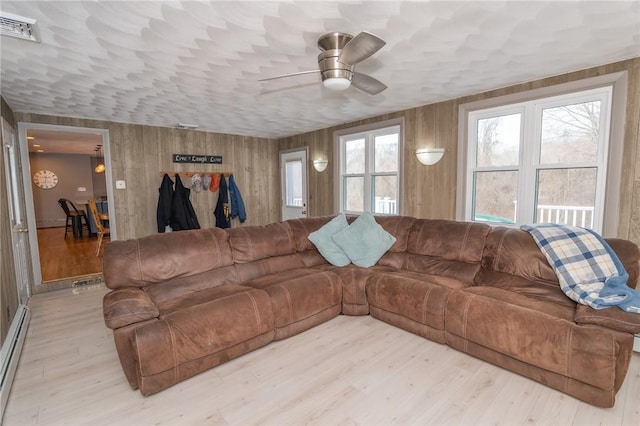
[325, 244]
[364, 241]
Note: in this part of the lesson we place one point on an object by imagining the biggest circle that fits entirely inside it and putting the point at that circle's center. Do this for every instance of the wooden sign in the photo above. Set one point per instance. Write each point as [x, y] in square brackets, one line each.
[195, 158]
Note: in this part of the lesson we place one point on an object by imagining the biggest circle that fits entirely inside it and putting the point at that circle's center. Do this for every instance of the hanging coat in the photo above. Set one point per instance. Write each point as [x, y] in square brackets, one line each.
[182, 214]
[163, 213]
[237, 205]
[222, 211]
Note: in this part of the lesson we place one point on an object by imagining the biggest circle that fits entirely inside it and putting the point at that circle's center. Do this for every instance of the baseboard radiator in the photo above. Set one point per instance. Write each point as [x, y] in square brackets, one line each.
[10, 353]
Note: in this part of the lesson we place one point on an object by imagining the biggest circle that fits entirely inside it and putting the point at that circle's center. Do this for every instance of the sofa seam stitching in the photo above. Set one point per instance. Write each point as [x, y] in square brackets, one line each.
[173, 351]
[137, 351]
[307, 317]
[424, 303]
[582, 317]
[569, 352]
[613, 370]
[496, 260]
[464, 242]
[465, 321]
[288, 296]
[139, 261]
[255, 308]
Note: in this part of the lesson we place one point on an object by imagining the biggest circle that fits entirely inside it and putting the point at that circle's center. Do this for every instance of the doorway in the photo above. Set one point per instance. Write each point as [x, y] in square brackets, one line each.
[293, 178]
[61, 164]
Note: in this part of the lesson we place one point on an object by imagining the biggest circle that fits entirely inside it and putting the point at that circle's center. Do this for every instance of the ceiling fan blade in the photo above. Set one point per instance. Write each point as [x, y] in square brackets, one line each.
[360, 48]
[289, 75]
[367, 83]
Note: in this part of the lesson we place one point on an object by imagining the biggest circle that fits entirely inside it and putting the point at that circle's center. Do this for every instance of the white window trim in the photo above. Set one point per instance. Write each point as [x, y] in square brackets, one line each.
[618, 82]
[337, 157]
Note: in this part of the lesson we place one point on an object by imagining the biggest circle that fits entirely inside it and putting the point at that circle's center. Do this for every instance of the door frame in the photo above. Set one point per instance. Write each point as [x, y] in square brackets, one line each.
[23, 128]
[305, 172]
[20, 241]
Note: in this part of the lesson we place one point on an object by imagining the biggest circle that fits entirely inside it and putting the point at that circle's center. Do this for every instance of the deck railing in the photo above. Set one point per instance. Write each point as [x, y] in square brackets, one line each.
[569, 215]
[385, 205]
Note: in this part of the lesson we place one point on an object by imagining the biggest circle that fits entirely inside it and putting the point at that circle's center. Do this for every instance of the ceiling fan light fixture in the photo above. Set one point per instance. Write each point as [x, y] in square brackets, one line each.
[337, 83]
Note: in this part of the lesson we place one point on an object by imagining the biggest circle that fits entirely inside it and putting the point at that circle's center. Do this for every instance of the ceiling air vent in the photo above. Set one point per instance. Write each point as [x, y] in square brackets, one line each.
[19, 27]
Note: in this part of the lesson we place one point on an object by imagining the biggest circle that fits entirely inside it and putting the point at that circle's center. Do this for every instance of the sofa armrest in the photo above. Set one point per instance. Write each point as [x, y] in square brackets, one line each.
[629, 254]
[613, 317]
[127, 306]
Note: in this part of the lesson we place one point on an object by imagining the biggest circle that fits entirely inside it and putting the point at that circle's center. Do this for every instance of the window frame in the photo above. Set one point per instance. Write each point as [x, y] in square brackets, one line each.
[367, 132]
[610, 155]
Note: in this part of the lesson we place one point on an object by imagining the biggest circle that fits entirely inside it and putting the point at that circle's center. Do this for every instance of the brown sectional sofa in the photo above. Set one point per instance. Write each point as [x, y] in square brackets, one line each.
[187, 301]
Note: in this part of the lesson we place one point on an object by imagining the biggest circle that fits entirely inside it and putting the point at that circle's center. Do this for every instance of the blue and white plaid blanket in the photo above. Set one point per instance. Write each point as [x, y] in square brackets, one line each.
[588, 269]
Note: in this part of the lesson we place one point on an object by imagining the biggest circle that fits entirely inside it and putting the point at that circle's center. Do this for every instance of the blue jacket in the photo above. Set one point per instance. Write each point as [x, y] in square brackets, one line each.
[237, 205]
[222, 210]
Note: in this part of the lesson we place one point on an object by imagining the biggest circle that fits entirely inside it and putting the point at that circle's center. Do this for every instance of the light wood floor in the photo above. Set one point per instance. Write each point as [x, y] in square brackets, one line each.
[348, 371]
[62, 258]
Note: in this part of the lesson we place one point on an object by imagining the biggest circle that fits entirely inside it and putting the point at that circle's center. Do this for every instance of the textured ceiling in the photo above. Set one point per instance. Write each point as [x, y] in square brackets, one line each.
[60, 142]
[160, 63]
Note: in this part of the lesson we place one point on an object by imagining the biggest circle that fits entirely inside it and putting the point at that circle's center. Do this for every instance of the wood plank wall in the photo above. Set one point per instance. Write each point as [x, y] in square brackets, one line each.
[430, 191]
[139, 153]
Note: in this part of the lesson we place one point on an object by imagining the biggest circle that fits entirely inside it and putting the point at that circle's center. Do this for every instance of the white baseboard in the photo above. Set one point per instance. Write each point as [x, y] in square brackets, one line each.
[636, 343]
[10, 353]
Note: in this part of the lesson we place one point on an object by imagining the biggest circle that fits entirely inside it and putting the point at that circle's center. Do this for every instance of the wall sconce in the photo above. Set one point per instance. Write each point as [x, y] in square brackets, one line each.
[320, 165]
[429, 156]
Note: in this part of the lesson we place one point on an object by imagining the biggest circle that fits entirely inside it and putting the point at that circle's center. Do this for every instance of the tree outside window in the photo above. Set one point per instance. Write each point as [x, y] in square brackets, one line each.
[540, 161]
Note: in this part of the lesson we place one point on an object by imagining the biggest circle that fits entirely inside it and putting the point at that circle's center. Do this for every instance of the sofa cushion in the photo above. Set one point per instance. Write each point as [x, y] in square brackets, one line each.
[399, 227]
[364, 241]
[177, 288]
[354, 284]
[252, 270]
[412, 301]
[187, 300]
[127, 306]
[301, 228]
[268, 280]
[249, 243]
[535, 332]
[513, 261]
[149, 260]
[194, 339]
[449, 240]
[328, 248]
[611, 318]
[430, 265]
[301, 298]
[448, 248]
[629, 254]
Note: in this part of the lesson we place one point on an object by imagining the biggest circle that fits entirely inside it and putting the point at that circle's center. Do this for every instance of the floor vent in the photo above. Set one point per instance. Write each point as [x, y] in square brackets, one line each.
[19, 27]
[88, 281]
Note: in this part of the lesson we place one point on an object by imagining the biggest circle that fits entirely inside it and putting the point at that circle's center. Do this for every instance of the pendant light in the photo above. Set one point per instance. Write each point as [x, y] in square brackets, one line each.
[100, 167]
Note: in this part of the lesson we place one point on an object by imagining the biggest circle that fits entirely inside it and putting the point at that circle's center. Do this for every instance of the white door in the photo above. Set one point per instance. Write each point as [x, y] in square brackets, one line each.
[17, 209]
[293, 178]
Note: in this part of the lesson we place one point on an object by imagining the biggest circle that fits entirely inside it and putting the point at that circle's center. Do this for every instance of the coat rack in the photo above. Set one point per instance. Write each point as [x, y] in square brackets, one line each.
[189, 174]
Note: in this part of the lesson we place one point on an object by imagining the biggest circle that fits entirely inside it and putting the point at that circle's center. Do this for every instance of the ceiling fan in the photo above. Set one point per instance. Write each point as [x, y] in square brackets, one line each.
[340, 53]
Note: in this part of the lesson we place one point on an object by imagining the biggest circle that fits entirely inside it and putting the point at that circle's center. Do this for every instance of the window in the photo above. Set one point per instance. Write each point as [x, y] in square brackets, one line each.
[369, 177]
[543, 160]
[293, 183]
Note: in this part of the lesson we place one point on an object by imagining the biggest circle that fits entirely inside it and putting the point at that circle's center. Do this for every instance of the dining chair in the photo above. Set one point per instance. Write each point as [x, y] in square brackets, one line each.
[98, 218]
[74, 218]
